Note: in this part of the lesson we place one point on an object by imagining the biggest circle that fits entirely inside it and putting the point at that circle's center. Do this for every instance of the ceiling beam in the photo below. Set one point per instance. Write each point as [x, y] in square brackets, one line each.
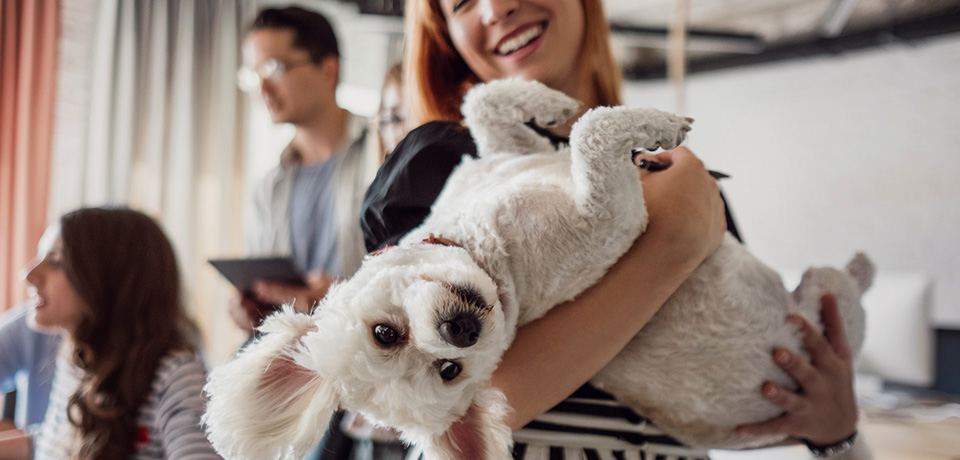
[837, 17]
[697, 40]
[918, 29]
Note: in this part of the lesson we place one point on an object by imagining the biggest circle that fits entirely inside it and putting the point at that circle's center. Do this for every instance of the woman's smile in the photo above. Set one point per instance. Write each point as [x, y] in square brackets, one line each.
[520, 39]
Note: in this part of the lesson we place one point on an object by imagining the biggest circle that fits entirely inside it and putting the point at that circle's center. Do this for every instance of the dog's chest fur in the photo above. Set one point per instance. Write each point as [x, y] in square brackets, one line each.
[516, 215]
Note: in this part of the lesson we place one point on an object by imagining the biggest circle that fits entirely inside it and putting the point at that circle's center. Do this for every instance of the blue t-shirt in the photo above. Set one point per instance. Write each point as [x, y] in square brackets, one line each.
[313, 221]
[27, 364]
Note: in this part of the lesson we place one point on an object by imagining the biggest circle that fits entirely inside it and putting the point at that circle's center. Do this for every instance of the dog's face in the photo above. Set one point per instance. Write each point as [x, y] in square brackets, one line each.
[410, 338]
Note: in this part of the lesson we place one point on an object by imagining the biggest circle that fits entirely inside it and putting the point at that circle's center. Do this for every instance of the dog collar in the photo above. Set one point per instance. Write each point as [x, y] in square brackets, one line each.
[439, 239]
[382, 250]
[430, 239]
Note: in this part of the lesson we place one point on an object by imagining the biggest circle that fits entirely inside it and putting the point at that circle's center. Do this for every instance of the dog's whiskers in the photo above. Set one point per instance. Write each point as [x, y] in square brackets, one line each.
[468, 295]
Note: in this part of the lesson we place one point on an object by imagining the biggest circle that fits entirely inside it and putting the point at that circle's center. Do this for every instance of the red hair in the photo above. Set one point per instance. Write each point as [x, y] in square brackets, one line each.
[436, 77]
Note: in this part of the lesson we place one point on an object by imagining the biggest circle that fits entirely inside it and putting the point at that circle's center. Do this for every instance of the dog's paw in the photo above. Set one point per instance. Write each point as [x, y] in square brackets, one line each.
[665, 130]
[514, 101]
[623, 129]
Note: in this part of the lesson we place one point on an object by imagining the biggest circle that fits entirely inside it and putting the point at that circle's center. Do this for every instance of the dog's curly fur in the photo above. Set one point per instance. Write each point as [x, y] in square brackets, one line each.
[410, 341]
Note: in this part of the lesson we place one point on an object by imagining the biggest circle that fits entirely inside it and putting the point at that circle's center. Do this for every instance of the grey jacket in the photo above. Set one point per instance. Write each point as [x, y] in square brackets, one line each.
[268, 232]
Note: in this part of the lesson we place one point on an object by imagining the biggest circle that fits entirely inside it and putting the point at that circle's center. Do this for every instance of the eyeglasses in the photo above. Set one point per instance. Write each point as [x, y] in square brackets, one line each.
[392, 119]
[249, 78]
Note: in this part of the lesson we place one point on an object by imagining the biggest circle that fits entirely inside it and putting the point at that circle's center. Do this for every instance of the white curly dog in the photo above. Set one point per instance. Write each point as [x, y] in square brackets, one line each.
[411, 340]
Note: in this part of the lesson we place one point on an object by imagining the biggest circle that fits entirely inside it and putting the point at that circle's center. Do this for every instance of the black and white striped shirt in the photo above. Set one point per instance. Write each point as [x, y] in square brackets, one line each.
[168, 424]
[591, 425]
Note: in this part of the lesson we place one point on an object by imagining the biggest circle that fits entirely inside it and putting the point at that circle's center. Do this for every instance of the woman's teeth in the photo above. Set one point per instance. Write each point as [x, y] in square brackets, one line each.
[519, 41]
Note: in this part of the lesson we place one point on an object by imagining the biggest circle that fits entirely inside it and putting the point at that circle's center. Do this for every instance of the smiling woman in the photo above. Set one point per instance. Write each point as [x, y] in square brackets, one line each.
[454, 44]
[565, 42]
[58, 305]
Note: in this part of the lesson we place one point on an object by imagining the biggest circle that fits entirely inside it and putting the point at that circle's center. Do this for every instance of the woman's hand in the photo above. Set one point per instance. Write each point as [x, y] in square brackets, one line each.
[247, 313]
[684, 203]
[823, 411]
[303, 298]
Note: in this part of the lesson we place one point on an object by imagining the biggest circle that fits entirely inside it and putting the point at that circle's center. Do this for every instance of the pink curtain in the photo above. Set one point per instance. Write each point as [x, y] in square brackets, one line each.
[28, 57]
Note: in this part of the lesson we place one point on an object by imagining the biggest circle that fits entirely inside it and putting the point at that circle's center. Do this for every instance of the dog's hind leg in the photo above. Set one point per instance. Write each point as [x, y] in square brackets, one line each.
[606, 183]
[847, 287]
[496, 114]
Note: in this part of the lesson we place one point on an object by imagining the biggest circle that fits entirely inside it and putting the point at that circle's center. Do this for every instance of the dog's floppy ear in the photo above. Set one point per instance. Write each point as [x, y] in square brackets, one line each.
[479, 434]
[262, 404]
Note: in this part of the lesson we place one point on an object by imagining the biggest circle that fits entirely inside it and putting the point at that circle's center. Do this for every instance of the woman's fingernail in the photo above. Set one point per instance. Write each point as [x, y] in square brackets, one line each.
[782, 356]
[770, 390]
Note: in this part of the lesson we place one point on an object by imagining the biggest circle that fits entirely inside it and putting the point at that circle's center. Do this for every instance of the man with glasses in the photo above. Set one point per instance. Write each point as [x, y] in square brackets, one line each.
[307, 207]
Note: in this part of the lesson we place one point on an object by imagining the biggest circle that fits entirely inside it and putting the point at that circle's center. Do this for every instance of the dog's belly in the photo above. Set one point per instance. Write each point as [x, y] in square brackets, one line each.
[524, 222]
[697, 366]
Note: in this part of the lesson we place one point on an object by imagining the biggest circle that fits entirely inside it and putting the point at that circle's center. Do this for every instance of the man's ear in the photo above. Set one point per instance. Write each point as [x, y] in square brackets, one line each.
[480, 434]
[262, 404]
[330, 66]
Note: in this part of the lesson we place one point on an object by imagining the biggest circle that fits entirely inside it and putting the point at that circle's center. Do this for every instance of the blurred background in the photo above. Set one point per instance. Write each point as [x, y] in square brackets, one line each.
[837, 121]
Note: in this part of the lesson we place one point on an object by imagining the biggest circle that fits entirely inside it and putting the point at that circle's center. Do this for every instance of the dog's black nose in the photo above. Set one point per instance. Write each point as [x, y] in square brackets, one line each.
[461, 331]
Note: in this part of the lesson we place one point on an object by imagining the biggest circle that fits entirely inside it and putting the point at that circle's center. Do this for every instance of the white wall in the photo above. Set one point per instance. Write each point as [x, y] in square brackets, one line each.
[835, 154]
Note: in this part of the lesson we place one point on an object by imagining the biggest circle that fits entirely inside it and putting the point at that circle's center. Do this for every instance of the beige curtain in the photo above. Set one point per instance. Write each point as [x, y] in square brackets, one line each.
[150, 117]
[28, 59]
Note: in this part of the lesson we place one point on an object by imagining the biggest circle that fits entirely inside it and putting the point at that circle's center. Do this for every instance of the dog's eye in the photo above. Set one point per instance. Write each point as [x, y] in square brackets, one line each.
[449, 370]
[385, 334]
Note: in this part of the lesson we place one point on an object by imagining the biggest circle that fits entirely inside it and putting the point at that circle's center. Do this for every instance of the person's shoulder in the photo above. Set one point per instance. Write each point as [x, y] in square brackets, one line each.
[442, 141]
[446, 133]
[356, 130]
[15, 317]
[267, 184]
[180, 367]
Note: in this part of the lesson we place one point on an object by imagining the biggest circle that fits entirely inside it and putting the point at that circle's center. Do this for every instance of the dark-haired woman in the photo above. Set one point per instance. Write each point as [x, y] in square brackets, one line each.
[129, 379]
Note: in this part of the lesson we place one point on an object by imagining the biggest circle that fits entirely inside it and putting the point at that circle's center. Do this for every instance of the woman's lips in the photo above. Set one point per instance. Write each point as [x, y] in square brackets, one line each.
[520, 39]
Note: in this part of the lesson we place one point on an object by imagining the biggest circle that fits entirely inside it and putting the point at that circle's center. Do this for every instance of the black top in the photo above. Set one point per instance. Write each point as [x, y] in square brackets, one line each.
[400, 197]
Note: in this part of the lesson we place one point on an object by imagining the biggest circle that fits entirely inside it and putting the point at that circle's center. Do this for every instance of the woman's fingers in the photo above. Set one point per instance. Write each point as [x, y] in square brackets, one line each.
[833, 327]
[787, 400]
[799, 369]
[823, 408]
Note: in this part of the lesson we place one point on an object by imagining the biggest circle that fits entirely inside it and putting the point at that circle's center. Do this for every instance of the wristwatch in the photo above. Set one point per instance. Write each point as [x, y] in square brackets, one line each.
[830, 450]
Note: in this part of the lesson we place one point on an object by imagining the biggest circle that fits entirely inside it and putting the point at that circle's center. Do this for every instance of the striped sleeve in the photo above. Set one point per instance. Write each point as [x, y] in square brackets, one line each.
[175, 409]
[55, 439]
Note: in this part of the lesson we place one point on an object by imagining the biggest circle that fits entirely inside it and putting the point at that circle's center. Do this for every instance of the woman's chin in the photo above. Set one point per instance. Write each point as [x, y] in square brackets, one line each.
[38, 322]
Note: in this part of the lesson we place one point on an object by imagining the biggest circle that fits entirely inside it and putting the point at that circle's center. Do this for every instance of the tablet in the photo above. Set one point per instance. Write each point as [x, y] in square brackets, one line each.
[243, 272]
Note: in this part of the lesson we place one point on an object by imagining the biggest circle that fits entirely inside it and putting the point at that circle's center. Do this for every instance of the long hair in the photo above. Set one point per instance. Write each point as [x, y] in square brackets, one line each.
[436, 77]
[124, 270]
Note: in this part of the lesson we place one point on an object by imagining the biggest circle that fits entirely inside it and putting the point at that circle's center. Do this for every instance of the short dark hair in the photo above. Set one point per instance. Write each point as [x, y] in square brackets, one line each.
[311, 30]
